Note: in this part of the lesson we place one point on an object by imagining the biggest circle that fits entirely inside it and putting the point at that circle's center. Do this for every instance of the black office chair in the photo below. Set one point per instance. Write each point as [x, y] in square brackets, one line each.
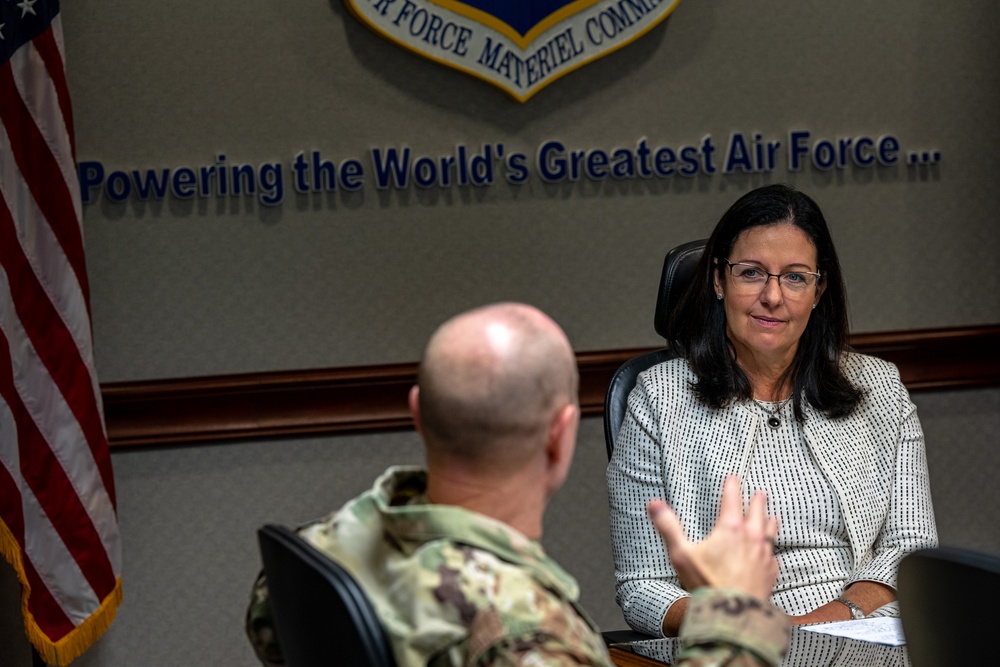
[678, 268]
[321, 614]
[947, 602]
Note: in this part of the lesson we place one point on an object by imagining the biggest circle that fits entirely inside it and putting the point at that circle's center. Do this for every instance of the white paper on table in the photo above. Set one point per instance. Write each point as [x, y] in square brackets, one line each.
[876, 630]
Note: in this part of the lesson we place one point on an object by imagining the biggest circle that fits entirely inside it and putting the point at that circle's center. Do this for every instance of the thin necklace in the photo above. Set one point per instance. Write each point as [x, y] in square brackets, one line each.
[774, 421]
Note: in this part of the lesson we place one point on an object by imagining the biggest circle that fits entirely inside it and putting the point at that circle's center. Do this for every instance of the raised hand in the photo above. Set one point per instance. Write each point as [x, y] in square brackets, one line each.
[738, 553]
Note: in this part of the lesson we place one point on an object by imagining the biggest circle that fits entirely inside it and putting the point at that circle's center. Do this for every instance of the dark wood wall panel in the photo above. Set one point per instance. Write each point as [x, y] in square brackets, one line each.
[242, 407]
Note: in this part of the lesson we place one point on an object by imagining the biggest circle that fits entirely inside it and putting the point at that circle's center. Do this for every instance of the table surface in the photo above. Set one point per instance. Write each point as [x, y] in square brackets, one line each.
[806, 649]
[624, 657]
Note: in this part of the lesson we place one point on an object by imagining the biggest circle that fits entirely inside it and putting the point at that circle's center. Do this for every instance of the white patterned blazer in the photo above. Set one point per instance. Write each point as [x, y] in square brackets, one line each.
[672, 446]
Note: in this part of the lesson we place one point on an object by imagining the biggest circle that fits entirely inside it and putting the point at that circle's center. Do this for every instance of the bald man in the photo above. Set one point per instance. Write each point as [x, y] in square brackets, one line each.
[448, 555]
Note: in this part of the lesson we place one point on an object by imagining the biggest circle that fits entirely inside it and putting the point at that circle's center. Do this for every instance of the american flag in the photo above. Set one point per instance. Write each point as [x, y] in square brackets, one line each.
[58, 518]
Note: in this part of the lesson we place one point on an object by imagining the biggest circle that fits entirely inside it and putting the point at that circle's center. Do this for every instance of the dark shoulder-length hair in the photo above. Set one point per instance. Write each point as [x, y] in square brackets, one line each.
[697, 329]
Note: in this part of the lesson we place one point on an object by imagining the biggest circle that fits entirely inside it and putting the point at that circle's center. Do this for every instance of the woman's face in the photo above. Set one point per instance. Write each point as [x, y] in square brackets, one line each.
[765, 324]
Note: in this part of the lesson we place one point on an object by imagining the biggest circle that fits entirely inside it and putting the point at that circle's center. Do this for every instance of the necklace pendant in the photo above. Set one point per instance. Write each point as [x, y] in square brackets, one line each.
[773, 421]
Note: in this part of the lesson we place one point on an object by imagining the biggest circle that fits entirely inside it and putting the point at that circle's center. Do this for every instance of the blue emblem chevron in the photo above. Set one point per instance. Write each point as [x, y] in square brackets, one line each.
[521, 15]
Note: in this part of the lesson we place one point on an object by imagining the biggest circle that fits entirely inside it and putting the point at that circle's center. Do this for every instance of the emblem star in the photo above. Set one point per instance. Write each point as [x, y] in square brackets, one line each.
[27, 6]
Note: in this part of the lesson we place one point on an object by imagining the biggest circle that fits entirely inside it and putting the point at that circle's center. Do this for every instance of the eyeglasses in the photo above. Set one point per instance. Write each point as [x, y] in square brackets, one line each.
[752, 278]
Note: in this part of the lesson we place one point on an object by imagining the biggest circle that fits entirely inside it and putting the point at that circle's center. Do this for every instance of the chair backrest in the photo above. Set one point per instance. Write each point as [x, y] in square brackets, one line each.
[320, 612]
[948, 605]
[678, 268]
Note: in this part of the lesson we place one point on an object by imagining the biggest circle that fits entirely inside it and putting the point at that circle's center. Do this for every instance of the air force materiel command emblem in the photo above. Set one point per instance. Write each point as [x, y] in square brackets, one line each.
[518, 45]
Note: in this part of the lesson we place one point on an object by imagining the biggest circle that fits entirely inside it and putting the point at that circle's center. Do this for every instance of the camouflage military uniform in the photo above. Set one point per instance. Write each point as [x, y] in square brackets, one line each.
[450, 586]
[723, 627]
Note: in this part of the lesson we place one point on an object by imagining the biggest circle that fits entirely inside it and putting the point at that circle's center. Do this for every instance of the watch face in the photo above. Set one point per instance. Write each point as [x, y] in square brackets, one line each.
[856, 611]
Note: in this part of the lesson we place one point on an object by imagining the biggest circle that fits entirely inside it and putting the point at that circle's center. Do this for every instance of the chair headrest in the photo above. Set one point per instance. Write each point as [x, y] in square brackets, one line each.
[678, 269]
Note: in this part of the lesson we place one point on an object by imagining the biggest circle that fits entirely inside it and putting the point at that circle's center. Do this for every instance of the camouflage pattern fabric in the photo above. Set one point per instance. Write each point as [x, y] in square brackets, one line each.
[723, 627]
[450, 586]
[260, 626]
[456, 588]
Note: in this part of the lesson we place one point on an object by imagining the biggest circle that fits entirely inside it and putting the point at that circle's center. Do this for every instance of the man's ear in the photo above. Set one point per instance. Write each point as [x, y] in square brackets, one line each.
[414, 403]
[562, 444]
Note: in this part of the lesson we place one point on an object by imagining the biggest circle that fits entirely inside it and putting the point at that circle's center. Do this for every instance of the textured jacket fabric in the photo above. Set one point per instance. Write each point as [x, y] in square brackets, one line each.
[673, 447]
[452, 587]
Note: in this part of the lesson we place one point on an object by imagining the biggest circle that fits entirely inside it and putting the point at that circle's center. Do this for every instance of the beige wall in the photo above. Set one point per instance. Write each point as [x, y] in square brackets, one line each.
[324, 280]
[225, 285]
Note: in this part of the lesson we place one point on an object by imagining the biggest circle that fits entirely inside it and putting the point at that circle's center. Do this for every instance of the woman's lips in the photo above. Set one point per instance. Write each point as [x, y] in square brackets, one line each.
[768, 322]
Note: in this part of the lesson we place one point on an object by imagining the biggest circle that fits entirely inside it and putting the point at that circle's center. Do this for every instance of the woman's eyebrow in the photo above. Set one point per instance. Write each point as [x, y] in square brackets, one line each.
[761, 264]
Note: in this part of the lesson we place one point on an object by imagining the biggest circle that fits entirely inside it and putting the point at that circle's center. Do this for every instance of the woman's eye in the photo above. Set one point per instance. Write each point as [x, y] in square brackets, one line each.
[749, 272]
[795, 277]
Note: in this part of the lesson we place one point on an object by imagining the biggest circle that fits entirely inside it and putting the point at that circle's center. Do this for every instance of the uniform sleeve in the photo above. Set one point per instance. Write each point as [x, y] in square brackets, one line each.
[535, 652]
[732, 629]
[553, 642]
[909, 523]
[646, 584]
[260, 626]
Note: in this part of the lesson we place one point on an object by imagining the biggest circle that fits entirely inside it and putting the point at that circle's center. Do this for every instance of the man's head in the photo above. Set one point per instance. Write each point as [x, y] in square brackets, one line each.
[497, 392]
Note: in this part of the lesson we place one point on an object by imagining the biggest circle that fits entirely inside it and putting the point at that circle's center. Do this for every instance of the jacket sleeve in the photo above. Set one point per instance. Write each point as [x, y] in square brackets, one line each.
[909, 524]
[731, 629]
[539, 651]
[260, 626]
[548, 632]
[646, 584]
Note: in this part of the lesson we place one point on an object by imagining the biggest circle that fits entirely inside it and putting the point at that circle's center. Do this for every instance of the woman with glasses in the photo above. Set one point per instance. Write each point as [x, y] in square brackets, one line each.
[767, 388]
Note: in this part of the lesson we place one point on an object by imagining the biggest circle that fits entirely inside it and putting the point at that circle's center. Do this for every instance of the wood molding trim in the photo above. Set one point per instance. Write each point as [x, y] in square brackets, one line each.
[374, 398]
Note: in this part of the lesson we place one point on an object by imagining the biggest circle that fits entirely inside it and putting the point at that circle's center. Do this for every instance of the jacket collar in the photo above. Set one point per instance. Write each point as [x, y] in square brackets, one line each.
[400, 498]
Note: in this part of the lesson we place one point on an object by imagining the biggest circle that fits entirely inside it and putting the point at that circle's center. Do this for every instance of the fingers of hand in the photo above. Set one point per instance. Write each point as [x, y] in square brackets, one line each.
[771, 529]
[756, 521]
[667, 524]
[731, 506]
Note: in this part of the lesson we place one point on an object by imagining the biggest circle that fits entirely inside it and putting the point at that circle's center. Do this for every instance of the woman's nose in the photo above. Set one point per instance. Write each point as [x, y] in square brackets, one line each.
[771, 292]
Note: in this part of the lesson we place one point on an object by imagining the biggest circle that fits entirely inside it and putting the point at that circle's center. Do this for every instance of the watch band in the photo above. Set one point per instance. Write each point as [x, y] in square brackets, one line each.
[856, 611]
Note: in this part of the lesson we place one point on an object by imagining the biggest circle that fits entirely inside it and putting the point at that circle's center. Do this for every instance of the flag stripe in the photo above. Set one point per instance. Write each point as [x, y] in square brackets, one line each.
[60, 574]
[59, 429]
[44, 251]
[49, 490]
[42, 174]
[10, 512]
[31, 69]
[48, 49]
[54, 344]
[45, 254]
[65, 594]
[43, 605]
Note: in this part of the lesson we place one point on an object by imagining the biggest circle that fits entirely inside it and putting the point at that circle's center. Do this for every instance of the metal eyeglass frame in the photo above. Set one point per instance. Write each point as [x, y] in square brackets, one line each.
[779, 276]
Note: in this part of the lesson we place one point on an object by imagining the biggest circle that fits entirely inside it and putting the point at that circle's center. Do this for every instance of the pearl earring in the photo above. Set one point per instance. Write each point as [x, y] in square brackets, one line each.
[814, 306]
[718, 295]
